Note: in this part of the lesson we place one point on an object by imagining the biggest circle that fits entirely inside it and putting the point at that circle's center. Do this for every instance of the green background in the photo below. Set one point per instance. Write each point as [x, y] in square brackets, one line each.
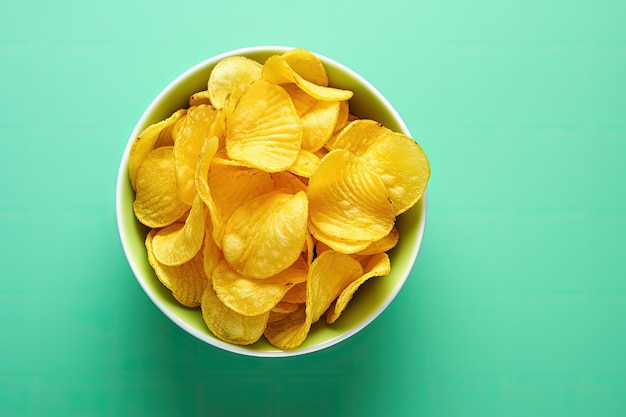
[517, 303]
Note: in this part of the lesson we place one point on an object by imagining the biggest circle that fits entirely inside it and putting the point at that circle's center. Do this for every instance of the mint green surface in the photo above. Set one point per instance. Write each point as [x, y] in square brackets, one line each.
[516, 305]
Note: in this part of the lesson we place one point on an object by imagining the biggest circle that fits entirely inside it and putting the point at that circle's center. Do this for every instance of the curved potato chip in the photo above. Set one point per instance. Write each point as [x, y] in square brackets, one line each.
[266, 235]
[230, 77]
[402, 165]
[377, 266]
[146, 142]
[228, 325]
[301, 100]
[285, 307]
[277, 70]
[201, 97]
[347, 201]
[358, 136]
[340, 245]
[189, 134]
[276, 316]
[264, 130]
[289, 331]
[157, 201]
[296, 294]
[186, 282]
[179, 242]
[251, 297]
[287, 181]
[318, 124]
[212, 254]
[307, 65]
[207, 153]
[305, 164]
[382, 245]
[342, 117]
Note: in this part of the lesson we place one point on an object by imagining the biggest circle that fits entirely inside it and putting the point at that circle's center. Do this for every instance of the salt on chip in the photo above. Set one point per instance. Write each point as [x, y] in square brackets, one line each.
[377, 266]
[227, 324]
[186, 282]
[157, 201]
[402, 165]
[318, 124]
[179, 242]
[266, 235]
[189, 134]
[249, 296]
[347, 201]
[230, 77]
[146, 142]
[264, 130]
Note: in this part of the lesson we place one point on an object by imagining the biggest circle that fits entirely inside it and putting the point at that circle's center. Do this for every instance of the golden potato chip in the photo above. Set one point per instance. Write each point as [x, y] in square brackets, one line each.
[287, 181]
[266, 235]
[296, 294]
[186, 282]
[201, 97]
[146, 143]
[382, 245]
[402, 165]
[307, 65]
[318, 124]
[251, 297]
[285, 307]
[377, 266]
[342, 117]
[305, 164]
[301, 100]
[212, 254]
[289, 331]
[157, 201]
[347, 201]
[179, 242]
[340, 245]
[276, 316]
[207, 153]
[264, 130]
[230, 77]
[189, 134]
[358, 136]
[277, 70]
[228, 325]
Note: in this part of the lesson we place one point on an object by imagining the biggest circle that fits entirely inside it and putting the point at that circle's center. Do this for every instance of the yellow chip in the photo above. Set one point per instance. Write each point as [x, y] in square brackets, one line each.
[296, 294]
[230, 77]
[157, 201]
[276, 316]
[289, 331]
[307, 65]
[402, 165]
[264, 130]
[382, 245]
[347, 201]
[287, 181]
[377, 266]
[179, 242]
[228, 325]
[189, 134]
[318, 124]
[277, 70]
[251, 297]
[186, 282]
[146, 142]
[201, 97]
[358, 136]
[346, 246]
[285, 307]
[342, 117]
[301, 100]
[207, 153]
[267, 234]
[305, 164]
[212, 254]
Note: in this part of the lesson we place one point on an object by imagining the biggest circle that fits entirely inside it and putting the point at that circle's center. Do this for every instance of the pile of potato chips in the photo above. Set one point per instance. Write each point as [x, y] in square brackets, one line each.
[269, 203]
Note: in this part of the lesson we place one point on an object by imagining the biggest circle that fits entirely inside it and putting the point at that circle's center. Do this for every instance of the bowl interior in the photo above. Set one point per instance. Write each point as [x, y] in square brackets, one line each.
[369, 301]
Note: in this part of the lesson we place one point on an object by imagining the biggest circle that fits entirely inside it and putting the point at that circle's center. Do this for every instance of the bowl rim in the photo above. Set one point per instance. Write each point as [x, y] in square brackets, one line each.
[122, 178]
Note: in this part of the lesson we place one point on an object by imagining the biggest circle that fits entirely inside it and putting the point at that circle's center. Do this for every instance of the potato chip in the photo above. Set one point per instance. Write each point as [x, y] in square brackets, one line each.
[377, 266]
[230, 77]
[358, 136]
[285, 307]
[157, 201]
[179, 242]
[207, 153]
[286, 181]
[382, 245]
[307, 65]
[289, 331]
[276, 316]
[318, 124]
[146, 143]
[301, 100]
[189, 134]
[296, 294]
[249, 296]
[266, 235]
[212, 254]
[347, 201]
[201, 97]
[277, 70]
[186, 282]
[264, 130]
[340, 245]
[305, 164]
[342, 117]
[228, 325]
[402, 165]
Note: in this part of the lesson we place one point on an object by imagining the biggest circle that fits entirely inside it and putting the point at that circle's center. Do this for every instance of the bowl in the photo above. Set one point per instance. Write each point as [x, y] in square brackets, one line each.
[369, 301]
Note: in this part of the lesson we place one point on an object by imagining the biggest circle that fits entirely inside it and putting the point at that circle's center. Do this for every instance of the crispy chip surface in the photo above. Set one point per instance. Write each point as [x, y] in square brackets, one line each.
[307, 65]
[231, 77]
[318, 124]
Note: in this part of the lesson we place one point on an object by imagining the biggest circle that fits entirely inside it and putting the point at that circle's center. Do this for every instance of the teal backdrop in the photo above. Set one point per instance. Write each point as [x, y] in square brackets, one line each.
[517, 303]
